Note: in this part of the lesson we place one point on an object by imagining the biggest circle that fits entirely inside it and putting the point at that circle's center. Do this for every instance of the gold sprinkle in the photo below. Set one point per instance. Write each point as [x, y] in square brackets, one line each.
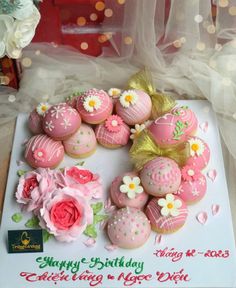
[26, 62]
[211, 29]
[201, 46]
[108, 12]
[99, 6]
[223, 3]
[121, 2]
[177, 43]
[84, 45]
[81, 21]
[198, 18]
[182, 39]
[4, 80]
[93, 17]
[232, 11]
[37, 52]
[102, 38]
[218, 47]
[128, 40]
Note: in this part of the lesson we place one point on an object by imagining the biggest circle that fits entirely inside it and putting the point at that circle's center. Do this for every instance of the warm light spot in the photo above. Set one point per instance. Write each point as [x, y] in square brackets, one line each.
[128, 40]
[131, 185]
[11, 98]
[100, 6]
[92, 103]
[108, 35]
[81, 21]
[26, 62]
[128, 98]
[195, 147]
[223, 3]
[84, 45]
[232, 11]
[201, 46]
[170, 205]
[93, 17]
[211, 29]
[182, 39]
[4, 80]
[198, 18]
[108, 12]
[37, 52]
[102, 38]
[121, 2]
[177, 44]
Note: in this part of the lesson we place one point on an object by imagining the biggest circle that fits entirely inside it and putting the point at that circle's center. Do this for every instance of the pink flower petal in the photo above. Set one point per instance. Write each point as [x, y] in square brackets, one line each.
[158, 239]
[211, 174]
[90, 242]
[110, 247]
[215, 208]
[204, 126]
[202, 218]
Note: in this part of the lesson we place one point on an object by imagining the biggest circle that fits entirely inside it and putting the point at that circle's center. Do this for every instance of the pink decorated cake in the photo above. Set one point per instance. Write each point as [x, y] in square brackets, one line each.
[160, 176]
[174, 128]
[94, 106]
[126, 190]
[113, 133]
[134, 107]
[168, 214]
[128, 228]
[82, 144]
[42, 151]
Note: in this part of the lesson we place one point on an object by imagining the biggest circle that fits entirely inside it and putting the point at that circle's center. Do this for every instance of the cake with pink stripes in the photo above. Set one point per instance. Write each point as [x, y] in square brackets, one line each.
[94, 106]
[42, 151]
[134, 107]
[167, 214]
[113, 133]
[173, 128]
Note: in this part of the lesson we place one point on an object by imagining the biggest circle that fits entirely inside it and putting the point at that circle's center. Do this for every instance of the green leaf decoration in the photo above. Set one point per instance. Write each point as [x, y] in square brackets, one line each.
[17, 217]
[184, 107]
[73, 95]
[32, 223]
[21, 172]
[97, 207]
[46, 236]
[80, 163]
[90, 231]
[99, 218]
[179, 127]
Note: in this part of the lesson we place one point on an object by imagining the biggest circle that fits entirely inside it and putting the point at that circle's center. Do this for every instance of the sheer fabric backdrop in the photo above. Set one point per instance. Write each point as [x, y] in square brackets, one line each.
[190, 48]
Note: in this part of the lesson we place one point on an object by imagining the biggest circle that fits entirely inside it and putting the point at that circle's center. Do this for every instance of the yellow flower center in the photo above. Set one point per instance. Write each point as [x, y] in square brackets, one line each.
[170, 205]
[92, 103]
[115, 93]
[131, 186]
[195, 147]
[128, 98]
[44, 108]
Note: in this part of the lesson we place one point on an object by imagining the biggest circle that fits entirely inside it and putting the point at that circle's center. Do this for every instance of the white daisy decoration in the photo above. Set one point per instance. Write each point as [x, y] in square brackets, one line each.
[49, 125]
[92, 103]
[131, 186]
[42, 108]
[114, 92]
[196, 147]
[66, 123]
[138, 128]
[170, 205]
[127, 98]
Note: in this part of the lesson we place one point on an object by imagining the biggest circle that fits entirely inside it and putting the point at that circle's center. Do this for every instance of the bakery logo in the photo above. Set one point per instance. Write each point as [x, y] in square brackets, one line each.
[25, 241]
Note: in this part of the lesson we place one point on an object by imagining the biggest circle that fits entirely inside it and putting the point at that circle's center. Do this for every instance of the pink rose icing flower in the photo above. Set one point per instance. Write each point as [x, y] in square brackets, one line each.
[190, 173]
[33, 187]
[79, 175]
[66, 214]
[170, 205]
[113, 123]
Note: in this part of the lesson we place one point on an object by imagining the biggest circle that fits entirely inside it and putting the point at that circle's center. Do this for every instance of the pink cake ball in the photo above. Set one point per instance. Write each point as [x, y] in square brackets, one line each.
[35, 122]
[134, 107]
[199, 152]
[42, 151]
[174, 128]
[82, 144]
[94, 106]
[126, 190]
[113, 133]
[193, 185]
[160, 176]
[167, 214]
[61, 121]
[128, 228]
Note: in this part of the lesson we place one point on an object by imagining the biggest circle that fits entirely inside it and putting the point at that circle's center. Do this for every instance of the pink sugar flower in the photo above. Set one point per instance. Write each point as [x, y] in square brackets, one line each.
[190, 173]
[113, 123]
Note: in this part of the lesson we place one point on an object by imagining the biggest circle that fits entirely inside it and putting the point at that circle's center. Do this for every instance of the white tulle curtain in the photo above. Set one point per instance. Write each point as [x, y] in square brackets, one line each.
[190, 48]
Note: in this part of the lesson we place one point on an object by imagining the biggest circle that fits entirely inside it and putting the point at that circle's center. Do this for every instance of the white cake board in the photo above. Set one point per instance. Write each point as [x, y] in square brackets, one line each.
[201, 271]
